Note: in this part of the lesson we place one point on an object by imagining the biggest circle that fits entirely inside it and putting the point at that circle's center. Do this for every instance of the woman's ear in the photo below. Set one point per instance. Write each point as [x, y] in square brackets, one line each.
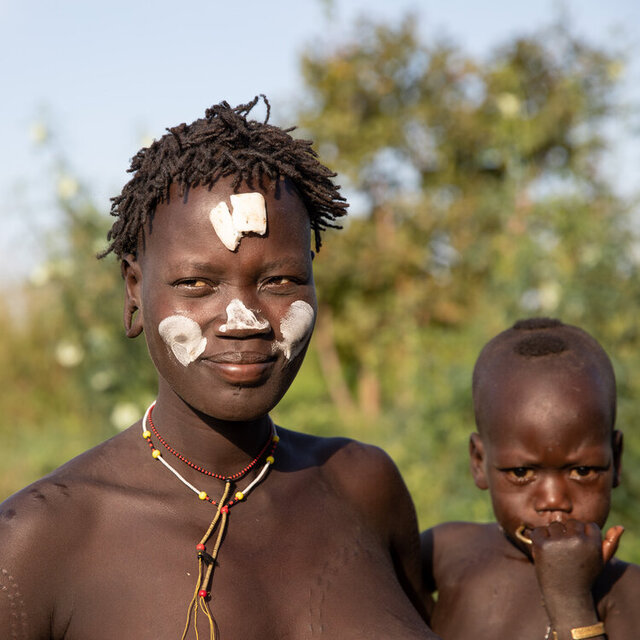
[477, 460]
[132, 276]
[616, 445]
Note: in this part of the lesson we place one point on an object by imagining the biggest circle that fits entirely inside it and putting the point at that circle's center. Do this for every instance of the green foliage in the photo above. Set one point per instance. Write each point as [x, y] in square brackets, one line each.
[483, 202]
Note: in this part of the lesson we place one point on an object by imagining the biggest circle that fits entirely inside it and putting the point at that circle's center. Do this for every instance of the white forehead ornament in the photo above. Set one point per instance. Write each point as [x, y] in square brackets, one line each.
[239, 317]
[249, 215]
[183, 336]
[295, 328]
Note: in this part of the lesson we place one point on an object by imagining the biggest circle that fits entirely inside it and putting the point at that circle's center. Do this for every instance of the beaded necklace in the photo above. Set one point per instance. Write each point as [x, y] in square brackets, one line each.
[202, 591]
[235, 476]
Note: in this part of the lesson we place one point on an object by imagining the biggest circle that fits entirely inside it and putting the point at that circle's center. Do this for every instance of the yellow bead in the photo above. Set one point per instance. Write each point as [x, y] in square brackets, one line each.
[276, 438]
[146, 434]
[270, 459]
[239, 495]
[202, 495]
[156, 454]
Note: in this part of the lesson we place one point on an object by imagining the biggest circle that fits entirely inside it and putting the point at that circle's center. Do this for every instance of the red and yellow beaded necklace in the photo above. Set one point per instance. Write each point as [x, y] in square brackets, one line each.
[203, 585]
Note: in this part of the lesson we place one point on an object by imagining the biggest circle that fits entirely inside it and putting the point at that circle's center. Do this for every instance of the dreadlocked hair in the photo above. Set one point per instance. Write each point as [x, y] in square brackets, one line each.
[223, 143]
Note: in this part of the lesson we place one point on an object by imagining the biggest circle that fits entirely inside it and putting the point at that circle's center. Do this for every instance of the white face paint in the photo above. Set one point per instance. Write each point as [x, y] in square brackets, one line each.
[295, 328]
[239, 317]
[183, 336]
[249, 216]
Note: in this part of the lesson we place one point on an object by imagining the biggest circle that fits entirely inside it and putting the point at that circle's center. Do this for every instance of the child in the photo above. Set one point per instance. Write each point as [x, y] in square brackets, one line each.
[204, 517]
[545, 403]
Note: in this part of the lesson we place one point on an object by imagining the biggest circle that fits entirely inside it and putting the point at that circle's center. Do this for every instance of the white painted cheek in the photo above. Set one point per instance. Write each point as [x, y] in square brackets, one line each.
[248, 215]
[239, 317]
[183, 336]
[295, 327]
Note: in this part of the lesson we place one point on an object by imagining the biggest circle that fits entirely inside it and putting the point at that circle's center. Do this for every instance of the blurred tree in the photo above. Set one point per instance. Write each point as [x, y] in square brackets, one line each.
[482, 201]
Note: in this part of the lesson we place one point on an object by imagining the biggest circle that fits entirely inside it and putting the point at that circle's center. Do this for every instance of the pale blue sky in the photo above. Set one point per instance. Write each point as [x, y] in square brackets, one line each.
[106, 74]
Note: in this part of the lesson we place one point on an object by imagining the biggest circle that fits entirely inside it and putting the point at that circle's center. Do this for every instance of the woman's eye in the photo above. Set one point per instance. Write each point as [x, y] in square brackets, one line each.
[193, 283]
[280, 284]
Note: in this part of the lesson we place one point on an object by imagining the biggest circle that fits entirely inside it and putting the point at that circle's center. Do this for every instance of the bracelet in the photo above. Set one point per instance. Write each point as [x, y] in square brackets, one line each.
[579, 633]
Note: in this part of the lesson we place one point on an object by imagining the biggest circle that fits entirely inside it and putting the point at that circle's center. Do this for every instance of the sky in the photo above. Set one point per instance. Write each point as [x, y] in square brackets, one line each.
[106, 77]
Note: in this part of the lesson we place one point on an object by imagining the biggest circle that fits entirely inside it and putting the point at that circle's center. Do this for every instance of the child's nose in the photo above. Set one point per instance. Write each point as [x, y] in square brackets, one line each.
[552, 494]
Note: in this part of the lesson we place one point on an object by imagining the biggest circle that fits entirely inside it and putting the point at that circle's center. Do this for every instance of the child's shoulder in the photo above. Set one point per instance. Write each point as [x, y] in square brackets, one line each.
[617, 592]
[454, 553]
[620, 579]
[460, 536]
[452, 542]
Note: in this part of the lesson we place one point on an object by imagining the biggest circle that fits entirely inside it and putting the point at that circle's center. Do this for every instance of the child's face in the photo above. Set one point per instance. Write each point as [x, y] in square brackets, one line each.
[227, 329]
[547, 452]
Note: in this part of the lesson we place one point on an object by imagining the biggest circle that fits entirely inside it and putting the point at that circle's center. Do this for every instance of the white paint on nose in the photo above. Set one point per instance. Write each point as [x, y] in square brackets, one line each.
[248, 215]
[239, 317]
[183, 336]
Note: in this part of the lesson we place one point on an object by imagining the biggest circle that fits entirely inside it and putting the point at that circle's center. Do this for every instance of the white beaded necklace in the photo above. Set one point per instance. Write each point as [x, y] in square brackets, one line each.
[202, 495]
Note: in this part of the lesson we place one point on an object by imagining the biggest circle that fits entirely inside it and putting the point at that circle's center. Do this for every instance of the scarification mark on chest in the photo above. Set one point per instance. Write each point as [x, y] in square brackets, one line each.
[333, 566]
[10, 593]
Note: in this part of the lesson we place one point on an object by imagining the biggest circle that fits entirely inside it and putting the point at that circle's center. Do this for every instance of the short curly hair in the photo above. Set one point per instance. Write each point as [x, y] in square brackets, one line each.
[538, 340]
[223, 143]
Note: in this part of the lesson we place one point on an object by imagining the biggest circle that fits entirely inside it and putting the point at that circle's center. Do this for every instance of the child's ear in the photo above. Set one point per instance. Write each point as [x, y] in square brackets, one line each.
[616, 445]
[477, 458]
[132, 275]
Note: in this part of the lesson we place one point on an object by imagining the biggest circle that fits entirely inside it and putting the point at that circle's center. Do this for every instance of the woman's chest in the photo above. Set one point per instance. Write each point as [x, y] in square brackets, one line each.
[292, 571]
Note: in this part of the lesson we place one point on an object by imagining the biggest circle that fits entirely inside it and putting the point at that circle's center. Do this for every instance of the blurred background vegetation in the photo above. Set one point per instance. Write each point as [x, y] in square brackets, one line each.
[481, 199]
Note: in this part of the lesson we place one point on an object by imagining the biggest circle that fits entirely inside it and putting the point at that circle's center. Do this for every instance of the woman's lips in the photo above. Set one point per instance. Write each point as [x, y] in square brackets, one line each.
[241, 367]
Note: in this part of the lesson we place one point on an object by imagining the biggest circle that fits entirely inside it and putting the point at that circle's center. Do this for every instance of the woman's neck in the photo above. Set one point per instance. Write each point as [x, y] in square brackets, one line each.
[220, 446]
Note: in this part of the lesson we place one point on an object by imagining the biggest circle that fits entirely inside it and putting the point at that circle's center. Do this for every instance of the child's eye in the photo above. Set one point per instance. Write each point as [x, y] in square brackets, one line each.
[579, 473]
[520, 473]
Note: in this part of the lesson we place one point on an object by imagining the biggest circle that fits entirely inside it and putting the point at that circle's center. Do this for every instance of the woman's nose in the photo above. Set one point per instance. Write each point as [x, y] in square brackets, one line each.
[239, 321]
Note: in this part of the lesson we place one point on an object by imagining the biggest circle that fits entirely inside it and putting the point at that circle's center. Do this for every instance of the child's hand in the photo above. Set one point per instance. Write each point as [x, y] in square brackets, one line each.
[568, 558]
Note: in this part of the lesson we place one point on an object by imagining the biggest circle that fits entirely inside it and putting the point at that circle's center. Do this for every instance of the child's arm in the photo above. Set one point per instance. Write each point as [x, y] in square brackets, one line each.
[568, 558]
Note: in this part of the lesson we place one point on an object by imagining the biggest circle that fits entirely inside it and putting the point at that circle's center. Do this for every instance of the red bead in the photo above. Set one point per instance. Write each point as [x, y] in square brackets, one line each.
[203, 593]
[200, 547]
[224, 509]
